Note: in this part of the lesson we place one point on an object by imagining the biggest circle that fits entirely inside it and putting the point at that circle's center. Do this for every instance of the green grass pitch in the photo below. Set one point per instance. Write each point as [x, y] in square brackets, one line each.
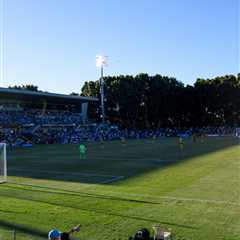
[119, 188]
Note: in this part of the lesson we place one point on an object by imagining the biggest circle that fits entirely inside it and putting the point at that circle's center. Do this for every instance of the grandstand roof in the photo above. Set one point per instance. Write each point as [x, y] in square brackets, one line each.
[9, 93]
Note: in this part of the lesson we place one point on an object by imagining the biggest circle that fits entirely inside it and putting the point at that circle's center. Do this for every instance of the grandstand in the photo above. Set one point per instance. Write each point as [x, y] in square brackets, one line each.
[28, 117]
[16, 100]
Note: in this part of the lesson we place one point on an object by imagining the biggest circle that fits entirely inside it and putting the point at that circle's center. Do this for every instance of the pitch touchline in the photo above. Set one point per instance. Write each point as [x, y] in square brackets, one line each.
[181, 199]
[66, 173]
[144, 195]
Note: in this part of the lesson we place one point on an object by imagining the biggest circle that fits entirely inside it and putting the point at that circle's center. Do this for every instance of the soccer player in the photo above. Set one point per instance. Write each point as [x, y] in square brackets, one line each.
[181, 143]
[123, 141]
[154, 137]
[82, 151]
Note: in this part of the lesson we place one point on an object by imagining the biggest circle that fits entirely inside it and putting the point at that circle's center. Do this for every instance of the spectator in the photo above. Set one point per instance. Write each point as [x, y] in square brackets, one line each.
[57, 235]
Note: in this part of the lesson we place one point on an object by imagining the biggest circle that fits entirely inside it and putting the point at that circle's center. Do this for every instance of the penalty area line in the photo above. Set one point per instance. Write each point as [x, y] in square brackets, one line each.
[114, 179]
[65, 173]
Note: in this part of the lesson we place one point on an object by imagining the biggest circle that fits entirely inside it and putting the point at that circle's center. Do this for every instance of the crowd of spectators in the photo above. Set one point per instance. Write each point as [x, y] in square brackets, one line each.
[24, 128]
[39, 117]
[221, 131]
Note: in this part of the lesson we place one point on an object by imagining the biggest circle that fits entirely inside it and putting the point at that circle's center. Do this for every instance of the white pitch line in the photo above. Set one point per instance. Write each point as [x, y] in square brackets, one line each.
[25, 157]
[164, 161]
[150, 197]
[114, 179]
[65, 173]
[200, 200]
[180, 199]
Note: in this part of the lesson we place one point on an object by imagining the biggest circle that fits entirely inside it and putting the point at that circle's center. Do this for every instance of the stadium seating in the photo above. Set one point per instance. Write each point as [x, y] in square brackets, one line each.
[23, 128]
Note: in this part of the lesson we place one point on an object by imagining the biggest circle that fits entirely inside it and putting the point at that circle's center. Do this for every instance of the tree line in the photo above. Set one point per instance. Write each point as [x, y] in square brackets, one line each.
[144, 101]
[28, 87]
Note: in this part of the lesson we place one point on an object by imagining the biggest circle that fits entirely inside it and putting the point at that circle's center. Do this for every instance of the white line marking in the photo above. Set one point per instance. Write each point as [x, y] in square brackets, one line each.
[164, 161]
[179, 198]
[65, 173]
[114, 179]
[148, 197]
[200, 200]
[25, 157]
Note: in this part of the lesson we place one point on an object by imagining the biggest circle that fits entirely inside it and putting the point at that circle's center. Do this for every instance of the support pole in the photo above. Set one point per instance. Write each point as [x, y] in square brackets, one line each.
[102, 95]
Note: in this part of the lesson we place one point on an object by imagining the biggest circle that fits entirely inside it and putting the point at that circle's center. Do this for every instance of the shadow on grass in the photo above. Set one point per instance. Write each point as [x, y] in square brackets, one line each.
[23, 229]
[138, 157]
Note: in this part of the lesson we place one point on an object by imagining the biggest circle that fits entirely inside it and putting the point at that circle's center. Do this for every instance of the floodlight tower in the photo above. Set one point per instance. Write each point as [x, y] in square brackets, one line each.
[101, 61]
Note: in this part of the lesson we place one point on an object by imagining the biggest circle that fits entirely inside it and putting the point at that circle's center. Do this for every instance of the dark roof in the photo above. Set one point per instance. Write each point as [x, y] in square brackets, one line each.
[17, 94]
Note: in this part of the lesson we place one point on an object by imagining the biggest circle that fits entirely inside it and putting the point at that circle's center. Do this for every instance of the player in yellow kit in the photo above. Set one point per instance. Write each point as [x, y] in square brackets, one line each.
[181, 143]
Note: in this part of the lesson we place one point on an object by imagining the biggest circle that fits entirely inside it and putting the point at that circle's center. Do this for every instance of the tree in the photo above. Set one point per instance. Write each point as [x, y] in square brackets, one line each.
[90, 88]
[29, 87]
[144, 101]
[74, 94]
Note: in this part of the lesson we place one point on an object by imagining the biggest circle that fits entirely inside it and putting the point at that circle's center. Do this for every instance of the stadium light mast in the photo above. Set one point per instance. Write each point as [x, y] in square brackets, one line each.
[101, 61]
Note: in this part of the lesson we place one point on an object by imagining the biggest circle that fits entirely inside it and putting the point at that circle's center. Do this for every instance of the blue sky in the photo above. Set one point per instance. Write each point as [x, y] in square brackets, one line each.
[53, 43]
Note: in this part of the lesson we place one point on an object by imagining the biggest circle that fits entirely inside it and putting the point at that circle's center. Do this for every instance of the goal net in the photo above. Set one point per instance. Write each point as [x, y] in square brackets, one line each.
[3, 162]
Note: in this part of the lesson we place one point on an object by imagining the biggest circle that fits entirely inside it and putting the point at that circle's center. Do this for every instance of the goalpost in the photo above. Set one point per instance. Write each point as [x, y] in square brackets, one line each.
[237, 132]
[3, 162]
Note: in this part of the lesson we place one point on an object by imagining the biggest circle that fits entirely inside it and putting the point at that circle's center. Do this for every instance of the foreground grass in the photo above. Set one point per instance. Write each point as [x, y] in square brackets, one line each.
[194, 192]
